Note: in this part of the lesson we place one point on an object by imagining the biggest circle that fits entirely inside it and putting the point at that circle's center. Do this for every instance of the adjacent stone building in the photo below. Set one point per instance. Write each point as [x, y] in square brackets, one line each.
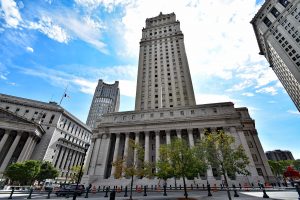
[106, 99]
[165, 108]
[278, 155]
[37, 130]
[276, 26]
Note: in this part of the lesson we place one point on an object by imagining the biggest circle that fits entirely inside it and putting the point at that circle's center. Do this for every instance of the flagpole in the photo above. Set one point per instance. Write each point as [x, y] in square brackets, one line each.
[64, 94]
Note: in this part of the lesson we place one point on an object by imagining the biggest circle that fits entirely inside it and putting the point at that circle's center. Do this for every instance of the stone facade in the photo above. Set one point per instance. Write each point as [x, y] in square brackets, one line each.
[106, 99]
[276, 27]
[166, 109]
[64, 137]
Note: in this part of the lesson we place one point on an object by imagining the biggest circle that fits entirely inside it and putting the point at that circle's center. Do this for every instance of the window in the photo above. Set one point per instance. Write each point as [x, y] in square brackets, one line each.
[250, 144]
[7, 107]
[192, 112]
[161, 114]
[52, 118]
[275, 12]
[267, 22]
[151, 115]
[171, 113]
[284, 3]
[254, 156]
[182, 112]
[259, 172]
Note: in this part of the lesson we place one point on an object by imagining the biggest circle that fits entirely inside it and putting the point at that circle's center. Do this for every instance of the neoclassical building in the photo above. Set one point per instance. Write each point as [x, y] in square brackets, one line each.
[37, 130]
[165, 108]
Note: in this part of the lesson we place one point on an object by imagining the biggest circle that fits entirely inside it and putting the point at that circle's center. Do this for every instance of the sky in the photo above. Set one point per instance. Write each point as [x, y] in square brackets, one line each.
[49, 45]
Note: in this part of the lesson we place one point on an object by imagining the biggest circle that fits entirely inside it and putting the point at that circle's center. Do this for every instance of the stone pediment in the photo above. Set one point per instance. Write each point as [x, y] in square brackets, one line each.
[8, 116]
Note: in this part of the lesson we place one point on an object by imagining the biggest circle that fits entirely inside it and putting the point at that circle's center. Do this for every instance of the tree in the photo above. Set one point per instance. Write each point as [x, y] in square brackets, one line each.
[47, 171]
[76, 173]
[296, 164]
[23, 172]
[179, 160]
[291, 173]
[135, 168]
[220, 154]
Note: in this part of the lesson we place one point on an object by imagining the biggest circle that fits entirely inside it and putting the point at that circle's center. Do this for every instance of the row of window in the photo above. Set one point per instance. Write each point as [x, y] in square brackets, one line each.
[73, 128]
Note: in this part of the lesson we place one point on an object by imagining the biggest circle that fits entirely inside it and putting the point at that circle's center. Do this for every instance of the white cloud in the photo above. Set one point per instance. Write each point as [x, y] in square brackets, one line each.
[29, 49]
[241, 86]
[213, 98]
[3, 77]
[248, 94]
[12, 15]
[294, 112]
[49, 28]
[93, 4]
[268, 90]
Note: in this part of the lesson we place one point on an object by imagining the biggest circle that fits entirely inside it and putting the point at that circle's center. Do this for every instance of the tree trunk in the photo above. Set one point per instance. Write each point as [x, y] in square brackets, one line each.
[131, 184]
[184, 186]
[226, 183]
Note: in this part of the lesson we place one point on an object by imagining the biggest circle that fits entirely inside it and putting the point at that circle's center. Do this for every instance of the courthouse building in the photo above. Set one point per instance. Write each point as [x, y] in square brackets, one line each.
[276, 26]
[165, 108]
[37, 130]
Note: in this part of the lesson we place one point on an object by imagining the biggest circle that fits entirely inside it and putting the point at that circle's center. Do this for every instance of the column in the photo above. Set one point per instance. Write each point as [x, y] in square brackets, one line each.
[157, 145]
[10, 152]
[168, 136]
[25, 149]
[26, 154]
[31, 148]
[137, 141]
[146, 158]
[191, 137]
[60, 157]
[73, 159]
[126, 146]
[178, 132]
[89, 156]
[94, 155]
[3, 140]
[116, 151]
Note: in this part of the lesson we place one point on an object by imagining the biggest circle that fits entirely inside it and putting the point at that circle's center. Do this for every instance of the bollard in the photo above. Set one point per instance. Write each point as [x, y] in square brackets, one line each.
[103, 189]
[191, 186]
[109, 188]
[298, 190]
[240, 186]
[170, 187]
[145, 190]
[221, 186]
[112, 195]
[203, 186]
[98, 189]
[197, 186]
[49, 192]
[155, 187]
[279, 185]
[235, 192]
[30, 192]
[252, 185]
[151, 187]
[208, 190]
[125, 195]
[165, 190]
[264, 191]
[11, 193]
[106, 192]
[179, 187]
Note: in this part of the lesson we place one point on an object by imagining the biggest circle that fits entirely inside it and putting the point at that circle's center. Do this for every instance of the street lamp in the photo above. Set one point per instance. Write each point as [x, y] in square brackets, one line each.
[86, 147]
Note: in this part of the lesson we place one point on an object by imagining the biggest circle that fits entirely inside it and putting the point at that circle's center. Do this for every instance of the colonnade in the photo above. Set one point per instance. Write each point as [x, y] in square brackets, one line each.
[108, 147]
[16, 146]
[66, 157]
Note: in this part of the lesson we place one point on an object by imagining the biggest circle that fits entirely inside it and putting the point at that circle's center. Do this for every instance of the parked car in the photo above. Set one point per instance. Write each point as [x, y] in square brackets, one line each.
[69, 190]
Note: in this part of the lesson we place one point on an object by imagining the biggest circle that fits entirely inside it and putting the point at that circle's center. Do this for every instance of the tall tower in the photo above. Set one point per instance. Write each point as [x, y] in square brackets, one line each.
[106, 99]
[276, 27]
[164, 79]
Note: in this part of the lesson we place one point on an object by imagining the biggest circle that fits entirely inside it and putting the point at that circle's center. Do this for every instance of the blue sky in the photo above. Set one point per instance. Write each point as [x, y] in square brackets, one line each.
[48, 45]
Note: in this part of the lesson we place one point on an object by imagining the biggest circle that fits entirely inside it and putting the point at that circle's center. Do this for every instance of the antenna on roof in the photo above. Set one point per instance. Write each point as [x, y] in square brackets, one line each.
[64, 94]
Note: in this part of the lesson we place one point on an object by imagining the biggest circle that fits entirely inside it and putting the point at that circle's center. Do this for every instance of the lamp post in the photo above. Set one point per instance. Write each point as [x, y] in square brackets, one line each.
[86, 147]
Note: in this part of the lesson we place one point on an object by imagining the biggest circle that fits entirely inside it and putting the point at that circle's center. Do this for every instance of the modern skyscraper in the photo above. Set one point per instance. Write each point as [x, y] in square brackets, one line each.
[164, 79]
[278, 154]
[165, 109]
[106, 99]
[276, 27]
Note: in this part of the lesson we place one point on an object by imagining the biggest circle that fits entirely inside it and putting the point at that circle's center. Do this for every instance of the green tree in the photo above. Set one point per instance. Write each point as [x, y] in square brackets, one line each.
[296, 164]
[220, 154]
[47, 171]
[135, 168]
[76, 173]
[23, 172]
[179, 160]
